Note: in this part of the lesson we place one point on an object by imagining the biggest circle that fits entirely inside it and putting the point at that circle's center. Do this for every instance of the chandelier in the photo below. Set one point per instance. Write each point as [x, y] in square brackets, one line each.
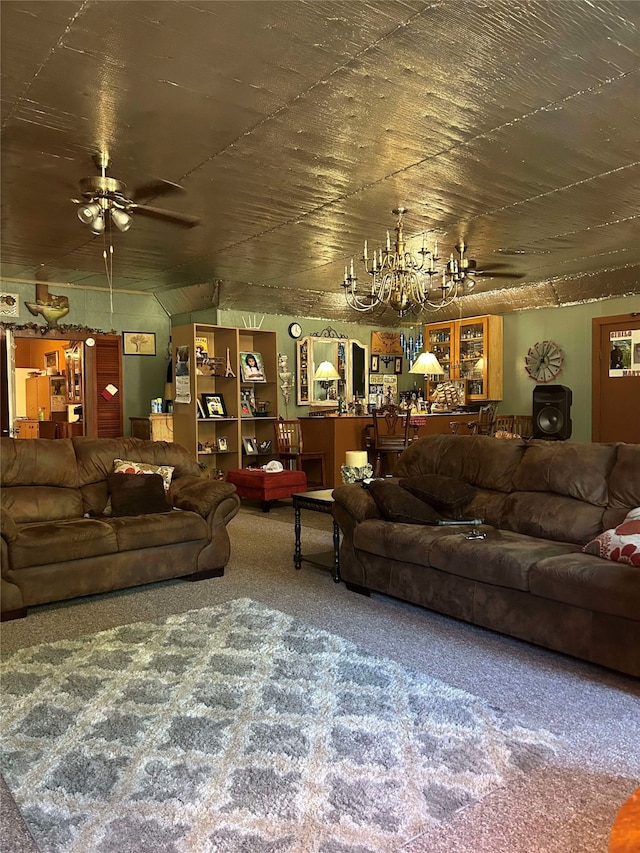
[407, 281]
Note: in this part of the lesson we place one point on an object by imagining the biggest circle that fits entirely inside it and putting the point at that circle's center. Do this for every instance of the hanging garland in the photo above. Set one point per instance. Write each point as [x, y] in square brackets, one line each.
[58, 330]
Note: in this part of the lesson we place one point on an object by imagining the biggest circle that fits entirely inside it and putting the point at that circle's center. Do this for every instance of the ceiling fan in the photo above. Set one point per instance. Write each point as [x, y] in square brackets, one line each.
[104, 197]
[464, 269]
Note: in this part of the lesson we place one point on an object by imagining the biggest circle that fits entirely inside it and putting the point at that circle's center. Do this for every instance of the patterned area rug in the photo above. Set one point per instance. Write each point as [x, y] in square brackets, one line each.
[237, 729]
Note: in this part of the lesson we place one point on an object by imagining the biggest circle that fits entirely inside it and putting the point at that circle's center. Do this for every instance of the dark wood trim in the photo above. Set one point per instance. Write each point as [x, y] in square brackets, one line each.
[355, 587]
[18, 613]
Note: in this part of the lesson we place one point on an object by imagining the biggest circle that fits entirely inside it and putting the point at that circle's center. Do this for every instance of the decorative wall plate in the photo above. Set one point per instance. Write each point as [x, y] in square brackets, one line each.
[544, 361]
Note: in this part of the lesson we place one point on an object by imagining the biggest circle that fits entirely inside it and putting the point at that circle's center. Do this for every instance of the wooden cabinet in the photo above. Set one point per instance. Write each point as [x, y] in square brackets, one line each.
[470, 349]
[155, 427]
[351, 361]
[232, 425]
[45, 394]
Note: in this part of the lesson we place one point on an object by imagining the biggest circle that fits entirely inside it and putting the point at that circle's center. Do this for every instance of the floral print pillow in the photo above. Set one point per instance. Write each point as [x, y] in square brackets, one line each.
[620, 544]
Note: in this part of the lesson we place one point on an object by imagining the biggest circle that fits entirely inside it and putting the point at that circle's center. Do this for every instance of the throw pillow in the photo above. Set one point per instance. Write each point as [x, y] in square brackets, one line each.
[132, 494]
[620, 544]
[397, 504]
[125, 466]
[442, 493]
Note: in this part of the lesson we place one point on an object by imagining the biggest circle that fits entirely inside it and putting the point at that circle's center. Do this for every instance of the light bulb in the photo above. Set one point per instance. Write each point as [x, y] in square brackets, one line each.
[121, 219]
[88, 212]
[97, 226]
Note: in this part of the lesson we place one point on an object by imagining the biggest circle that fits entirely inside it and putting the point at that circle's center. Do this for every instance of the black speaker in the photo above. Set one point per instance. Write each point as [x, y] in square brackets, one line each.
[552, 412]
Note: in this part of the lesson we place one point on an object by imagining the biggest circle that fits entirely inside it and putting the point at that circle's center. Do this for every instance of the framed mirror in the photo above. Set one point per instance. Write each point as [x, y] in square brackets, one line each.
[350, 360]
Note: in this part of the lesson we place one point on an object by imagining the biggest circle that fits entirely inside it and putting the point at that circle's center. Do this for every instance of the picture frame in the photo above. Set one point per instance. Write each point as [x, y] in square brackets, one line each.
[252, 367]
[375, 364]
[245, 409]
[213, 405]
[397, 367]
[264, 446]
[223, 447]
[250, 445]
[52, 363]
[138, 343]
[201, 413]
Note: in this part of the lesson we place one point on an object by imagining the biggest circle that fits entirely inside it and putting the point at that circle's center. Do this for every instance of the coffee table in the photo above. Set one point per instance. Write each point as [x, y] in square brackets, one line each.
[317, 501]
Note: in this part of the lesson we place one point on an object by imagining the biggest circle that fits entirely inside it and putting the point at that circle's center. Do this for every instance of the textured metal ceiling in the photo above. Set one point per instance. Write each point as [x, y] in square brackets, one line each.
[296, 127]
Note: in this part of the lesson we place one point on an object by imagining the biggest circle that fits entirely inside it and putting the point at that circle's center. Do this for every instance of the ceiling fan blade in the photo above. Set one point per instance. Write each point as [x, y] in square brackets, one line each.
[491, 274]
[168, 215]
[156, 188]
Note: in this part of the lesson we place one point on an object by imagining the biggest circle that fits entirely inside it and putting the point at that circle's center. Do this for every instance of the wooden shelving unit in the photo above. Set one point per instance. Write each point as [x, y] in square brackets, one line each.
[470, 349]
[217, 442]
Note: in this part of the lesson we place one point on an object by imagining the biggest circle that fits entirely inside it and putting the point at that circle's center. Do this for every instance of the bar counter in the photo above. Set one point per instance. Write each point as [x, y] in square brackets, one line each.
[336, 434]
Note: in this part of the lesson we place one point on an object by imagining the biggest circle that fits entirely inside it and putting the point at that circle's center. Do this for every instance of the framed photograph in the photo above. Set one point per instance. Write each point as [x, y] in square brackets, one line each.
[201, 413]
[375, 364]
[264, 446]
[139, 343]
[52, 363]
[222, 444]
[213, 405]
[250, 446]
[397, 368]
[251, 367]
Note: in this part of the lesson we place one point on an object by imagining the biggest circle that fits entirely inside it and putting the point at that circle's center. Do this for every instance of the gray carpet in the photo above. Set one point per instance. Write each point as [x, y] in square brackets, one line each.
[564, 806]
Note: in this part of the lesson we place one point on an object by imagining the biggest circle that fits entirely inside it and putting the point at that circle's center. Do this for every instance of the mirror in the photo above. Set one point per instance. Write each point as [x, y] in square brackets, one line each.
[349, 357]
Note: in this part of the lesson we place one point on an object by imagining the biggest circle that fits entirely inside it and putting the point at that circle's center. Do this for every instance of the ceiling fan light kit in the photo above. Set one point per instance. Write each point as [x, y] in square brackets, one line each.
[106, 199]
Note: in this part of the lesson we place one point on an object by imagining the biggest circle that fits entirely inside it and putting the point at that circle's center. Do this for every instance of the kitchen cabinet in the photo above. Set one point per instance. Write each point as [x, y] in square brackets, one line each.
[45, 394]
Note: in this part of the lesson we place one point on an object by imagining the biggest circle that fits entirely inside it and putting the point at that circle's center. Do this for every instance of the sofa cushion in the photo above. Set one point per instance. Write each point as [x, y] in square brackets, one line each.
[620, 544]
[550, 516]
[153, 530]
[132, 494]
[60, 541]
[479, 460]
[397, 504]
[41, 503]
[443, 493]
[575, 470]
[95, 456]
[624, 481]
[504, 558]
[38, 462]
[590, 582]
[407, 543]
[129, 466]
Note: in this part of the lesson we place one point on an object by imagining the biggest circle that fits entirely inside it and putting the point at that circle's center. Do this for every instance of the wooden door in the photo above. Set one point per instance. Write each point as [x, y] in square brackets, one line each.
[616, 390]
[103, 367]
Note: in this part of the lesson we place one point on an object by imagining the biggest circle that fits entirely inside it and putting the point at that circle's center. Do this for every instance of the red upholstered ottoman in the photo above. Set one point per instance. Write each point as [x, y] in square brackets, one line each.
[267, 486]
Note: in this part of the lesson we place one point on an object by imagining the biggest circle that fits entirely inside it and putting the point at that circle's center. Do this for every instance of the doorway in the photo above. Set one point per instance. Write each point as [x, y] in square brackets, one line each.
[616, 378]
[54, 386]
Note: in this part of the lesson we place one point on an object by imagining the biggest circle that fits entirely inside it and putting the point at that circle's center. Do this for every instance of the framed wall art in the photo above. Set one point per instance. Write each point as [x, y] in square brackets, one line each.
[139, 343]
[252, 367]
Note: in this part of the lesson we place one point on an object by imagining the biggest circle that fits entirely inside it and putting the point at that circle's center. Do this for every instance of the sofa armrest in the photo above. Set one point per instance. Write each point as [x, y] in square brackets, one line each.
[8, 527]
[357, 501]
[199, 495]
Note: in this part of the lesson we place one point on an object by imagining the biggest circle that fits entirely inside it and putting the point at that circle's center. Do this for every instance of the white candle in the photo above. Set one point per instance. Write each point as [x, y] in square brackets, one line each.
[356, 458]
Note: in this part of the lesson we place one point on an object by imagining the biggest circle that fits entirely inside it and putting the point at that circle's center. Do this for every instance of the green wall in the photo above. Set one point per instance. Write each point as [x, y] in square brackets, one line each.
[570, 328]
[144, 377]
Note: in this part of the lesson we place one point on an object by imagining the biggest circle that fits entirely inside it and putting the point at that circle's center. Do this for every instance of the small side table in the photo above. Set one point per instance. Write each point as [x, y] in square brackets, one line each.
[318, 501]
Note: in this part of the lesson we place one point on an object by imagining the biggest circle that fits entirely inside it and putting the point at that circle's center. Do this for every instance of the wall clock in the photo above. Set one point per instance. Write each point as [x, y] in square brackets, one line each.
[295, 330]
[544, 361]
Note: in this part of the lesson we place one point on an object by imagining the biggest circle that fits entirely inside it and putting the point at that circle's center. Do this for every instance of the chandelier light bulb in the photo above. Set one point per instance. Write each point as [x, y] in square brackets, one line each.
[403, 279]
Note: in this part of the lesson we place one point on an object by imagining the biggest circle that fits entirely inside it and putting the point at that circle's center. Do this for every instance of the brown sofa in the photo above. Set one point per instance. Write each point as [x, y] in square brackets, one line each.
[57, 543]
[541, 501]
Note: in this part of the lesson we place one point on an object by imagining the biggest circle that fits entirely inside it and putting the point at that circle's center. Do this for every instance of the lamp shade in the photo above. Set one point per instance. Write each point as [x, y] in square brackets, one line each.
[88, 212]
[121, 219]
[427, 364]
[326, 370]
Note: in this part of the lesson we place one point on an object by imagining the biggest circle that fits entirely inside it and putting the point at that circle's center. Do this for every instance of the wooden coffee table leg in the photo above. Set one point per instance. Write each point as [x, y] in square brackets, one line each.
[297, 553]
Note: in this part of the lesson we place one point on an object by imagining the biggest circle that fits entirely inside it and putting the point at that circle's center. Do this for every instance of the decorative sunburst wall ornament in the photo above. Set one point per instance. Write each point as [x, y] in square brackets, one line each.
[544, 361]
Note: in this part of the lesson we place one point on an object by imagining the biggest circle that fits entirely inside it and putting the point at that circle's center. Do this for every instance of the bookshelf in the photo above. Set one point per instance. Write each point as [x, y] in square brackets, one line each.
[224, 419]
